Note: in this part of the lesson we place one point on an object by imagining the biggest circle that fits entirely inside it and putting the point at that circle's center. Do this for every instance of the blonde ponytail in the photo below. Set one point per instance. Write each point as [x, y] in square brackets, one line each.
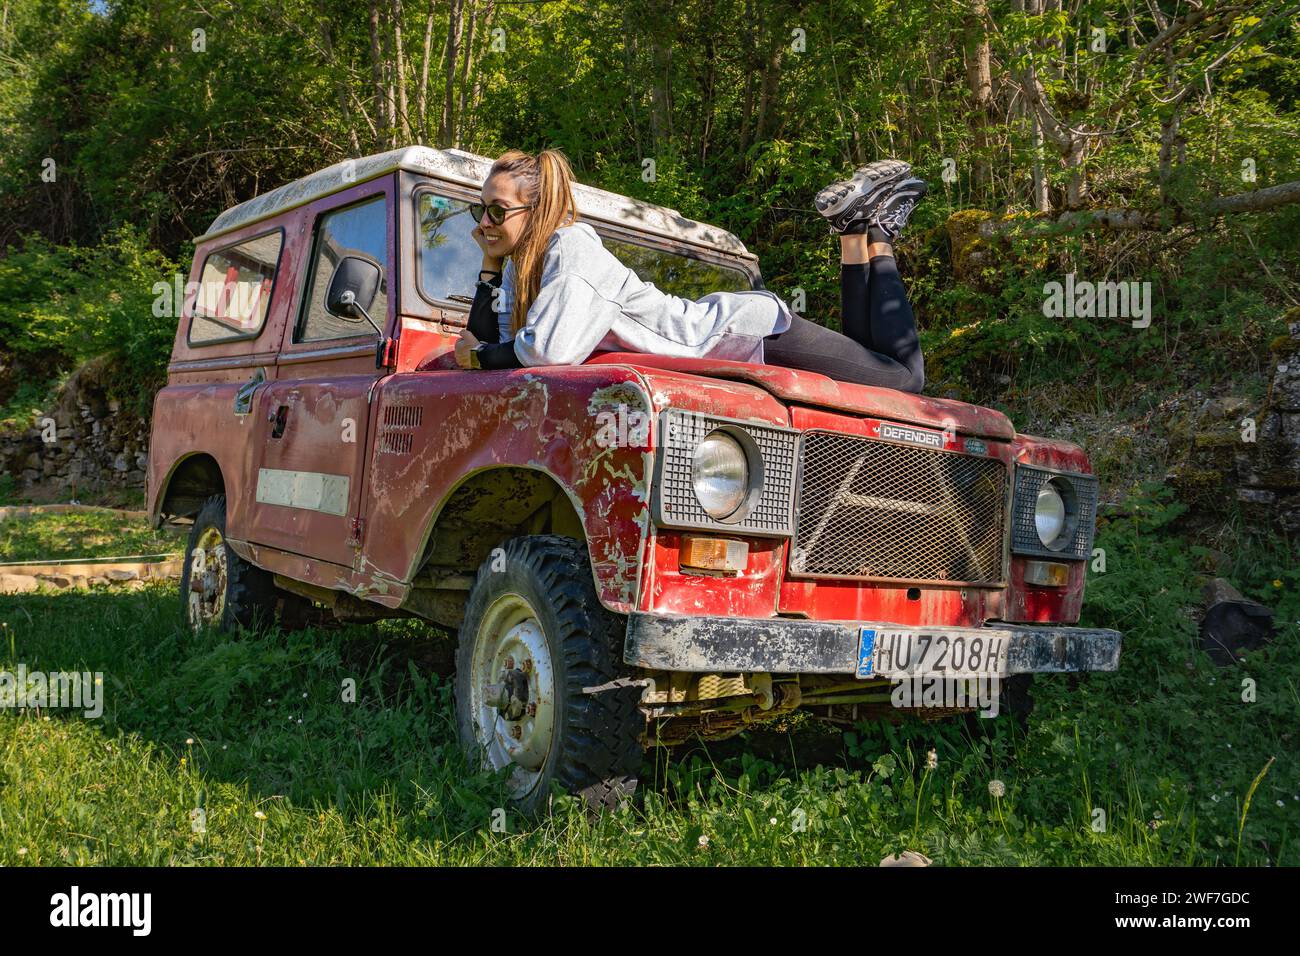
[545, 182]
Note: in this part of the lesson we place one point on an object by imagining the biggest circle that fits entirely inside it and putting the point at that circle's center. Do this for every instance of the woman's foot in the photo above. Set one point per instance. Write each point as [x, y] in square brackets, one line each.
[893, 212]
[851, 202]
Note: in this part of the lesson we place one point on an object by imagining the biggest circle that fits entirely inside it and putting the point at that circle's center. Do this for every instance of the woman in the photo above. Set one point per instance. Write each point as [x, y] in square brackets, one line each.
[562, 295]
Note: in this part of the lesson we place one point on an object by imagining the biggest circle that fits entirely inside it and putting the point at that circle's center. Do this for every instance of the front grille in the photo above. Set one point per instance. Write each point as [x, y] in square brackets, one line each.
[872, 509]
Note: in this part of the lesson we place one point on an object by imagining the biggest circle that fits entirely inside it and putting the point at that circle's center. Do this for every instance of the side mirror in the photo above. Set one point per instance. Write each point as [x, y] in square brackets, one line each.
[352, 289]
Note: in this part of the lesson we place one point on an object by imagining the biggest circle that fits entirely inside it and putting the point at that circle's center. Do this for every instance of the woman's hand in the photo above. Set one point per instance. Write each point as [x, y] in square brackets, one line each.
[464, 345]
[490, 262]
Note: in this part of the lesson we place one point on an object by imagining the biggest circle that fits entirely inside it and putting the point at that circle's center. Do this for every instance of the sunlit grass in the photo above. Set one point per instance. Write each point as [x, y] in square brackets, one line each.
[38, 537]
[1150, 765]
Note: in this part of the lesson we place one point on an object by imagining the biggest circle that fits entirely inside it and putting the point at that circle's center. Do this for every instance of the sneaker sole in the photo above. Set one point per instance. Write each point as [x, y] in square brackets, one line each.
[914, 194]
[831, 201]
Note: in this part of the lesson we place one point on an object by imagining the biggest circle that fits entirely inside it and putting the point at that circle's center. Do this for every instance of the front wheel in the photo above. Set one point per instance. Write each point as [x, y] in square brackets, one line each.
[535, 639]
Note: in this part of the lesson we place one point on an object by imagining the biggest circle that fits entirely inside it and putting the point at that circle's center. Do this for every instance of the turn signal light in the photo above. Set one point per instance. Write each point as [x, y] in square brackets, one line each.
[1051, 574]
[714, 554]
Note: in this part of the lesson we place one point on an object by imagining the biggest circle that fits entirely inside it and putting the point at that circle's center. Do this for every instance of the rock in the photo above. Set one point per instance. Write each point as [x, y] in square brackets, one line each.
[1215, 562]
[18, 583]
[970, 249]
[56, 580]
[907, 858]
[1217, 590]
[1198, 487]
[1232, 627]
[121, 574]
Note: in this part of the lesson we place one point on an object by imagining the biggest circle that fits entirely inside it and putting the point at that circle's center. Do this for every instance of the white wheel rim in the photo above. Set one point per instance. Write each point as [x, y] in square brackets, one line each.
[510, 638]
[209, 566]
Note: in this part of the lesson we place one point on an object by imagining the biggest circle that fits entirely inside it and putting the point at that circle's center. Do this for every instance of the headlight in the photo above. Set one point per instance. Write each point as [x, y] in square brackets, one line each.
[1053, 513]
[720, 474]
[1050, 516]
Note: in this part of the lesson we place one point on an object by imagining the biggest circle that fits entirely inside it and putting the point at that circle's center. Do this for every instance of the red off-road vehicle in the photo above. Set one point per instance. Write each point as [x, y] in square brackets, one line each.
[634, 550]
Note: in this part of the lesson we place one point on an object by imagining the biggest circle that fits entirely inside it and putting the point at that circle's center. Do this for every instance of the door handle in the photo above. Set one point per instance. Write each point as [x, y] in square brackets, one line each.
[244, 397]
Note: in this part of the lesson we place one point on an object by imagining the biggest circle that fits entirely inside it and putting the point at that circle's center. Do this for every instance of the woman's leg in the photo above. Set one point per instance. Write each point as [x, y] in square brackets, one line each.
[893, 326]
[855, 306]
[879, 345]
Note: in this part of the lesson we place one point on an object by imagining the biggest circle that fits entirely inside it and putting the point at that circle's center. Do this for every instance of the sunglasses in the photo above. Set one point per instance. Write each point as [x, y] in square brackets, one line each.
[496, 213]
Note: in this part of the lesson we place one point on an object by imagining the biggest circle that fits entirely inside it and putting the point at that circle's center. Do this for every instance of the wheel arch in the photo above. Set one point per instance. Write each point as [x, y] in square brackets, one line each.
[493, 504]
[192, 479]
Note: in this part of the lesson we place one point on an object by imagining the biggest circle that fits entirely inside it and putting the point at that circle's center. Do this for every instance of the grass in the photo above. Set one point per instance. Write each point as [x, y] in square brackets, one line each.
[255, 733]
[83, 535]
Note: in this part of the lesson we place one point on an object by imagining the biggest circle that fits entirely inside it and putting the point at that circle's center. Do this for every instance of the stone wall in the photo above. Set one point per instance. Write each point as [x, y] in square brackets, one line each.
[100, 445]
[1219, 461]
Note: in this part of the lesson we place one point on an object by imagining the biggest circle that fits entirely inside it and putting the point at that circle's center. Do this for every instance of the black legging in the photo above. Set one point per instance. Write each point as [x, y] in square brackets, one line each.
[879, 344]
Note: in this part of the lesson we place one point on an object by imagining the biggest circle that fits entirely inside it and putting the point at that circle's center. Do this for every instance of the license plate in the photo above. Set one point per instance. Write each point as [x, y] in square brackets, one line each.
[920, 653]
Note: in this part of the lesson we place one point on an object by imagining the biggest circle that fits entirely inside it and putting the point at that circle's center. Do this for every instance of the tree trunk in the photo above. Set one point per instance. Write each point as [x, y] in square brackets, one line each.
[767, 101]
[661, 63]
[399, 69]
[466, 64]
[422, 90]
[340, 81]
[979, 79]
[1129, 220]
[454, 19]
[377, 76]
[469, 124]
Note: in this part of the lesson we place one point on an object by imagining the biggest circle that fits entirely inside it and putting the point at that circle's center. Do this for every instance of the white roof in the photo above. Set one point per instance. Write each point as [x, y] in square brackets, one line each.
[467, 169]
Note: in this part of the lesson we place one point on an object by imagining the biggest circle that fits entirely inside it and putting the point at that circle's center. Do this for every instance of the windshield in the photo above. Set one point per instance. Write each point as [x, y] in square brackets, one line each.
[450, 258]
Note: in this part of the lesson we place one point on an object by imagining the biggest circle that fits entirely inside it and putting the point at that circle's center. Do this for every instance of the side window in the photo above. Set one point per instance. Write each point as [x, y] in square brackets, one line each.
[449, 256]
[235, 290]
[677, 274]
[360, 230]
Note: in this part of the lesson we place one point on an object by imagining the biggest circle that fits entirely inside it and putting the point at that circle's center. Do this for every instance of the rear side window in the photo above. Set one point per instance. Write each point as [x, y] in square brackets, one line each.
[362, 231]
[234, 291]
[677, 274]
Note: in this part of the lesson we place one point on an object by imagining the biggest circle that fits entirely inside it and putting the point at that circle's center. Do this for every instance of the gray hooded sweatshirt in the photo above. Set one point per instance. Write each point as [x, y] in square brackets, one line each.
[590, 301]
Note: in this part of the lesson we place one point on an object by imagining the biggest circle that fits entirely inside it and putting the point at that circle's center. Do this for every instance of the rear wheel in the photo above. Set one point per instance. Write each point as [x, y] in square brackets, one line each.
[218, 587]
[534, 639]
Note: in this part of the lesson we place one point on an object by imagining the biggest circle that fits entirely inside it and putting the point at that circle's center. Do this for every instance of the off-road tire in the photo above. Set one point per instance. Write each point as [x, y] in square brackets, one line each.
[250, 593]
[595, 750]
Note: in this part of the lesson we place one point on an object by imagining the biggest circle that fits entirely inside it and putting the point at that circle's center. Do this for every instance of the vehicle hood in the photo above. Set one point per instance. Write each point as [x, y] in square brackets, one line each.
[813, 388]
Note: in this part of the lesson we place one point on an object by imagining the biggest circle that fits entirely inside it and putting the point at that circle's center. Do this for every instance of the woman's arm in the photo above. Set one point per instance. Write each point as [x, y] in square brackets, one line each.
[565, 323]
[569, 318]
[482, 319]
[483, 330]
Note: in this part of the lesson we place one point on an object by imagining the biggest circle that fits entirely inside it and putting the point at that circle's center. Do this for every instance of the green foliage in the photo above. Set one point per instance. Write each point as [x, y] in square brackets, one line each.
[68, 304]
[746, 108]
[1165, 747]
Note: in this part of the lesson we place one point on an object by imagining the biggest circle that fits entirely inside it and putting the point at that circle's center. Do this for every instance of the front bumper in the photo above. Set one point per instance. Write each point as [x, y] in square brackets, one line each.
[791, 646]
